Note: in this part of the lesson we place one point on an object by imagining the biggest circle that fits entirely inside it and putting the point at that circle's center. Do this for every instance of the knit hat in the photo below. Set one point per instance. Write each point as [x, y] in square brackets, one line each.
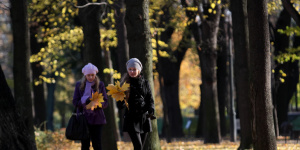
[89, 69]
[134, 63]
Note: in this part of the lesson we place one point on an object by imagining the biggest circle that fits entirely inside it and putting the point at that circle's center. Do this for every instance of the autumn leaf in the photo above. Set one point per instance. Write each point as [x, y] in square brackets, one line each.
[96, 100]
[116, 91]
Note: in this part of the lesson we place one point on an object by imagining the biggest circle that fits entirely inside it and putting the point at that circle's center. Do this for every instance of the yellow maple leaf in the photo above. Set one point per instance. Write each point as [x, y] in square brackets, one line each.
[116, 91]
[96, 100]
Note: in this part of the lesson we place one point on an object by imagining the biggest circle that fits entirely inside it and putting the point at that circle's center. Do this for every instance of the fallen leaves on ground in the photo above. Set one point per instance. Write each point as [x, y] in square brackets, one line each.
[56, 140]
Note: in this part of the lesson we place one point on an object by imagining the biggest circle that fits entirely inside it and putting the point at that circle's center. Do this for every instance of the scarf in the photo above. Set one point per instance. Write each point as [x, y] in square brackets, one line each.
[87, 91]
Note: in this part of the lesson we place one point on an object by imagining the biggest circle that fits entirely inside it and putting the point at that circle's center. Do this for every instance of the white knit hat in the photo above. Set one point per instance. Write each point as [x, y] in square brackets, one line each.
[134, 63]
[89, 69]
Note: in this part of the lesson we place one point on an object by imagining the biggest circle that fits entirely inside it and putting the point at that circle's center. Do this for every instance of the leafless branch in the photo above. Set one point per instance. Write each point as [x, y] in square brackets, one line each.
[102, 3]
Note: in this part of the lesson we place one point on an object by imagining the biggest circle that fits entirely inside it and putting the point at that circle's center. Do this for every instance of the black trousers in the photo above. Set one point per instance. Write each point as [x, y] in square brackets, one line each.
[95, 137]
[138, 139]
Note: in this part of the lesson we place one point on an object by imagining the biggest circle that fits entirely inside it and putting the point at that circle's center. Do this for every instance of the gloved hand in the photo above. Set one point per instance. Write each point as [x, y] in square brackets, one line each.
[150, 111]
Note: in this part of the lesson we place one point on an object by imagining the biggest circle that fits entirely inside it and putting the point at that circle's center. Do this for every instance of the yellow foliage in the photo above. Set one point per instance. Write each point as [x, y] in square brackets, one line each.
[116, 91]
[189, 81]
[96, 101]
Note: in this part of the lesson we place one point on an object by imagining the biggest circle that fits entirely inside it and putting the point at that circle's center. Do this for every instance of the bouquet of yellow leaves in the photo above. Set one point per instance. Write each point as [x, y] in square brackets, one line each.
[118, 92]
[96, 100]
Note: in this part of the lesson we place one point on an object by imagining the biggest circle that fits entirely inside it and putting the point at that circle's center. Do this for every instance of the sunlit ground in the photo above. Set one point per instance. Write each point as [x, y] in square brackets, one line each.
[57, 141]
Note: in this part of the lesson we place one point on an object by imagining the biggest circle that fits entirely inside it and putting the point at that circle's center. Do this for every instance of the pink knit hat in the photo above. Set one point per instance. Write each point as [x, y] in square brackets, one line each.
[89, 69]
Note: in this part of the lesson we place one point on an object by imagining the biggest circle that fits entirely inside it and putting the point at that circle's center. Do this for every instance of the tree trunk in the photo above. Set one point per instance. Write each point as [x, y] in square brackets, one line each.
[38, 90]
[241, 69]
[89, 17]
[15, 134]
[50, 104]
[170, 82]
[166, 123]
[260, 79]
[110, 132]
[283, 91]
[122, 50]
[222, 72]
[139, 40]
[208, 64]
[21, 69]
[197, 34]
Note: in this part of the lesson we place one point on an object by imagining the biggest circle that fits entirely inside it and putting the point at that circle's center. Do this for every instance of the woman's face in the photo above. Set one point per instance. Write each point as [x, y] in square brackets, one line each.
[90, 77]
[133, 72]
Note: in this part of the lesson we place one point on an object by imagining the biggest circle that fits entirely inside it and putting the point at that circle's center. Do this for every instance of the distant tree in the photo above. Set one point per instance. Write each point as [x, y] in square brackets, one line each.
[223, 67]
[207, 51]
[90, 17]
[21, 67]
[260, 76]
[169, 78]
[284, 91]
[241, 69]
[38, 89]
[15, 134]
[139, 41]
[122, 50]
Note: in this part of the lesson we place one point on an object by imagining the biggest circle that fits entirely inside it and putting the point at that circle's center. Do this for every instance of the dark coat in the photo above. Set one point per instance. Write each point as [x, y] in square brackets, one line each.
[140, 104]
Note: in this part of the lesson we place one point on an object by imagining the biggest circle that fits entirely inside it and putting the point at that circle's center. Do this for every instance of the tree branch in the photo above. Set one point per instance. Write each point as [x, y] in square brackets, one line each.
[83, 6]
[292, 11]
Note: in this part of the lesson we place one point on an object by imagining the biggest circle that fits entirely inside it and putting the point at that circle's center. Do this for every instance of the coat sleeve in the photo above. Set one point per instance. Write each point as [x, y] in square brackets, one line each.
[77, 97]
[149, 97]
[103, 91]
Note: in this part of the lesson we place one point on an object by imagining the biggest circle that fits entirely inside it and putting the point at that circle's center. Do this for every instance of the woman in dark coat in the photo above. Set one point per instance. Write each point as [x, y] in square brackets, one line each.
[140, 105]
[84, 89]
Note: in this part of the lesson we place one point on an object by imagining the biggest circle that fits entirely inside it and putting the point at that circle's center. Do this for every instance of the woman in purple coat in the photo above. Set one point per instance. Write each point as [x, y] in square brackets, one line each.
[89, 84]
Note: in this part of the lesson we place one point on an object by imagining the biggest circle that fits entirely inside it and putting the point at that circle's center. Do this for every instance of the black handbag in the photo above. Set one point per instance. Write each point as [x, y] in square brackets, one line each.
[77, 128]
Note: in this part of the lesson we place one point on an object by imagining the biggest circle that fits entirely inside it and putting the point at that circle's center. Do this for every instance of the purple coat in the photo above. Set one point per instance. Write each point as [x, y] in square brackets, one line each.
[95, 116]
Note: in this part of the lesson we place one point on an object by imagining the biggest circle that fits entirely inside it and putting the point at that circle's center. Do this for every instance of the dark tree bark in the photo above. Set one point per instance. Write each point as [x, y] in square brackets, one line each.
[166, 123]
[14, 132]
[208, 63]
[110, 131]
[89, 19]
[139, 41]
[284, 91]
[21, 69]
[122, 50]
[222, 72]
[260, 79]
[170, 78]
[38, 90]
[50, 103]
[241, 69]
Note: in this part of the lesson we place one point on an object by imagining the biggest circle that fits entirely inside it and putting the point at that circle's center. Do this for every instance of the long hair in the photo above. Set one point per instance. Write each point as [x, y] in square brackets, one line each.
[83, 80]
[124, 78]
